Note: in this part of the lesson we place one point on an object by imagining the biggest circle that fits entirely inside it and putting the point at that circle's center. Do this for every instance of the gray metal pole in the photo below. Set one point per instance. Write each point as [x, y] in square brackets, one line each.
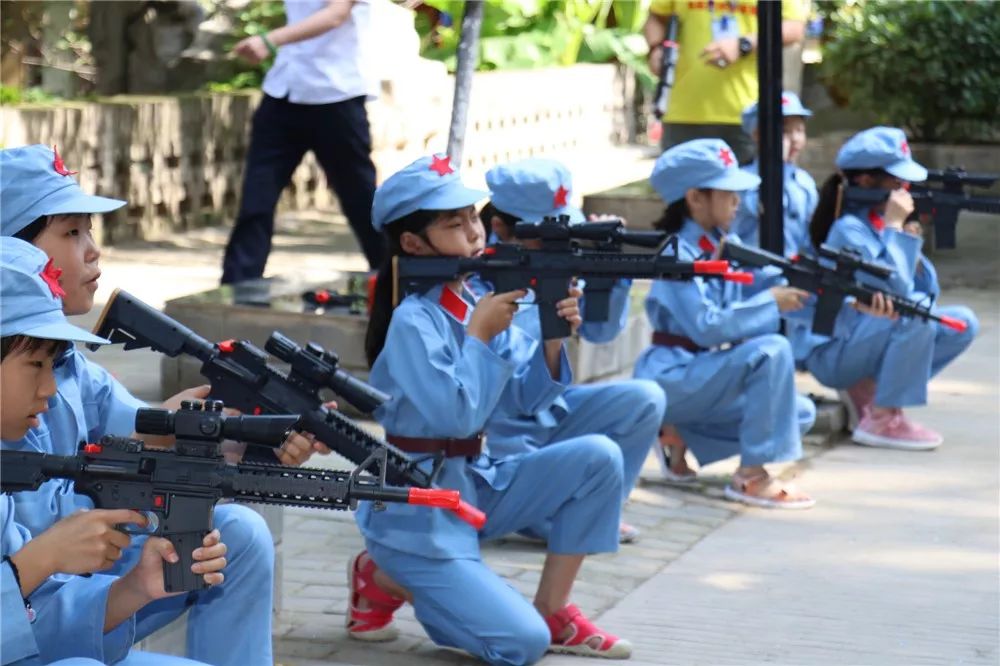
[468, 50]
[770, 125]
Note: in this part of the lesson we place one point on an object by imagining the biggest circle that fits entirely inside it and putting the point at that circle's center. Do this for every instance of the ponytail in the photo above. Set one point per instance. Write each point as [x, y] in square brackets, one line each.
[382, 305]
[830, 204]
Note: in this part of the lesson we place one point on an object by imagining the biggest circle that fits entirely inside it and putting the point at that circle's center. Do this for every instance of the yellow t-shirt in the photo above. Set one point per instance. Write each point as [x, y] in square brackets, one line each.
[703, 93]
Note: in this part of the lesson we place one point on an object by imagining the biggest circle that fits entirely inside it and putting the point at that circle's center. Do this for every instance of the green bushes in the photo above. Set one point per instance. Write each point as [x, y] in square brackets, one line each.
[932, 67]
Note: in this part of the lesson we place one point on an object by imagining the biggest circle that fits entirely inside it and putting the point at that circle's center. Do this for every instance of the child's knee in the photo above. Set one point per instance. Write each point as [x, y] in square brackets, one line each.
[245, 533]
[648, 399]
[599, 453]
[965, 314]
[772, 350]
[526, 640]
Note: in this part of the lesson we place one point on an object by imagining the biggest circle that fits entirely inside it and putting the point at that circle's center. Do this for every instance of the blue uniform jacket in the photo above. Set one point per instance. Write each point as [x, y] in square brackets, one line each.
[69, 610]
[445, 383]
[799, 201]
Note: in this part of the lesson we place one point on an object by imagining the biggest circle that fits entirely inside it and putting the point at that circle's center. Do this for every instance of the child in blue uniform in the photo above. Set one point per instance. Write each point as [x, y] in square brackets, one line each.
[47, 614]
[800, 195]
[451, 358]
[882, 365]
[728, 375]
[528, 191]
[40, 202]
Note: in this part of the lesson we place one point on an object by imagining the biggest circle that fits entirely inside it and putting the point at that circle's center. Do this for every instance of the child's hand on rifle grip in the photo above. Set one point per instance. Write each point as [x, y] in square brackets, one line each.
[493, 314]
[789, 299]
[145, 581]
[300, 446]
[880, 307]
[83, 543]
[898, 208]
[569, 308]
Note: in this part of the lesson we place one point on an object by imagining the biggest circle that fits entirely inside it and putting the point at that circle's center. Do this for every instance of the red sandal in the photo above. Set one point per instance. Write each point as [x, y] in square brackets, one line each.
[375, 623]
[581, 641]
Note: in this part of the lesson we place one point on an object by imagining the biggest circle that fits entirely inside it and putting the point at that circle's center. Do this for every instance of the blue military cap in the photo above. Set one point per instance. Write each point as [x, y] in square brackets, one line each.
[430, 183]
[883, 148]
[791, 105]
[708, 163]
[532, 189]
[30, 296]
[35, 182]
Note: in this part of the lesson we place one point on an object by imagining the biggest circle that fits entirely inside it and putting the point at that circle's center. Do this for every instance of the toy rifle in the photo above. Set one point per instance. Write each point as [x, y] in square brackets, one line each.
[832, 284]
[177, 489]
[550, 273]
[242, 378]
[942, 204]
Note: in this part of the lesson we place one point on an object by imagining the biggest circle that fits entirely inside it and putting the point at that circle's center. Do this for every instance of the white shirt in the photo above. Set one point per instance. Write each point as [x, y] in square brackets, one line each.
[328, 68]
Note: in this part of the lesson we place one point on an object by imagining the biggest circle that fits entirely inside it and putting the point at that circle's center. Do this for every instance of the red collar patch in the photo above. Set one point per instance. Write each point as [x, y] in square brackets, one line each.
[876, 220]
[726, 156]
[50, 275]
[441, 165]
[559, 199]
[706, 244]
[454, 305]
[59, 167]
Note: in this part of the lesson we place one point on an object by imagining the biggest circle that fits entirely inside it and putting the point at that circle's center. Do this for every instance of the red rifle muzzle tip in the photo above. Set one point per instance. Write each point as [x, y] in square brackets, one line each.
[711, 266]
[956, 324]
[738, 277]
[470, 514]
[441, 498]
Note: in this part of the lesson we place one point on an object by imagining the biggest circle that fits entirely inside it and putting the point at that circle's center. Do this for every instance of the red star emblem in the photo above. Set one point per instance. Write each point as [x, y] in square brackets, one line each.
[59, 167]
[784, 101]
[726, 156]
[905, 147]
[50, 275]
[441, 165]
[560, 197]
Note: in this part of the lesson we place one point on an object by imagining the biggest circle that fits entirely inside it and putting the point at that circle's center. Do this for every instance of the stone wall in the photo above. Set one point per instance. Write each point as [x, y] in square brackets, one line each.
[178, 160]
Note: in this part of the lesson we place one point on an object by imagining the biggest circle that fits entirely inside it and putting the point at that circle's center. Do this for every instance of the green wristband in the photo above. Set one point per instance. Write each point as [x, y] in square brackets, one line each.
[270, 45]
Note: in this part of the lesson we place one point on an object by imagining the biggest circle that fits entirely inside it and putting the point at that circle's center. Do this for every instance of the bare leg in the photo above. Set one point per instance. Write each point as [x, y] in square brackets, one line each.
[671, 440]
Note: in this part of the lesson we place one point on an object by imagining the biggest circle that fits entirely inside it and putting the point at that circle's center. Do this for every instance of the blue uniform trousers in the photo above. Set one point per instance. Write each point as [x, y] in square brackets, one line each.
[242, 603]
[461, 603]
[738, 401]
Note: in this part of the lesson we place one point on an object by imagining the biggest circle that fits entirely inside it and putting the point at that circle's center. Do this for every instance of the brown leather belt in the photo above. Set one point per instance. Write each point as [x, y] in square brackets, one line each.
[468, 447]
[665, 339]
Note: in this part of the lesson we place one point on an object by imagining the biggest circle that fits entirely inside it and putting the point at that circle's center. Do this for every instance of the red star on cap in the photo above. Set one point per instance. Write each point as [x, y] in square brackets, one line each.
[560, 197]
[726, 156]
[784, 101]
[50, 275]
[59, 167]
[905, 147]
[441, 165]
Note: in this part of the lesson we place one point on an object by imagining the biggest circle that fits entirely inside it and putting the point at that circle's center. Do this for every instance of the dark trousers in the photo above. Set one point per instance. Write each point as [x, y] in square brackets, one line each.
[282, 133]
[738, 140]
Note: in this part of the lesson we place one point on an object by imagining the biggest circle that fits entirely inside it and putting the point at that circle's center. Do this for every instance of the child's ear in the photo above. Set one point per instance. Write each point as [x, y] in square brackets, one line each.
[412, 243]
[499, 227]
[694, 198]
[866, 180]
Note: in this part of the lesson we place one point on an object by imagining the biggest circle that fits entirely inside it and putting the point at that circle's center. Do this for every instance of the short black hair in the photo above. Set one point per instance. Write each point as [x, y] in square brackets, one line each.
[26, 344]
[31, 232]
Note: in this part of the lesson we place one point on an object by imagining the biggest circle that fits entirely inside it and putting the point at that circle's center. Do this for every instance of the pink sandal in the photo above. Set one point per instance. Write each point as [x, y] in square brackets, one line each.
[375, 623]
[581, 639]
